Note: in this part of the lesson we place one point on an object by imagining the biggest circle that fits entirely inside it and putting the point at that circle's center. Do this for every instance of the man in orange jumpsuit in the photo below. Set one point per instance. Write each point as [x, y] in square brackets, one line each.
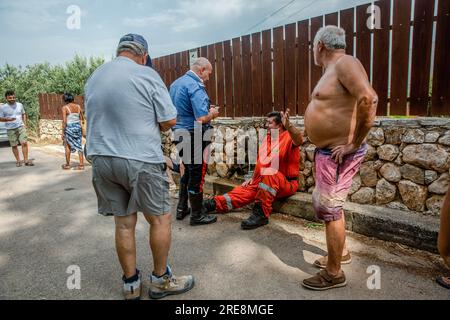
[276, 174]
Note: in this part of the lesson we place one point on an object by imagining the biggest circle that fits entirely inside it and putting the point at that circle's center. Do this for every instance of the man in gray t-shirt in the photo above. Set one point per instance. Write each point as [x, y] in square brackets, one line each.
[13, 114]
[127, 107]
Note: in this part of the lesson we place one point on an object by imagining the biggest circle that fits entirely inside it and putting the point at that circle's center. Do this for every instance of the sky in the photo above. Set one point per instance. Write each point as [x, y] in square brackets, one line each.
[54, 31]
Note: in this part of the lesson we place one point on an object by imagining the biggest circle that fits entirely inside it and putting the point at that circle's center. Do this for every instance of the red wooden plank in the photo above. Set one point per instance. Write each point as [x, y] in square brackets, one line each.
[316, 72]
[163, 73]
[278, 68]
[380, 79]
[331, 19]
[55, 106]
[178, 71]
[303, 81]
[421, 57]
[441, 77]
[400, 56]
[363, 39]
[158, 65]
[155, 64]
[50, 107]
[267, 71]
[49, 103]
[41, 104]
[212, 85]
[237, 77]
[204, 51]
[256, 75]
[79, 100]
[44, 106]
[172, 68]
[220, 78]
[290, 68]
[247, 109]
[59, 103]
[185, 62]
[228, 62]
[168, 71]
[348, 24]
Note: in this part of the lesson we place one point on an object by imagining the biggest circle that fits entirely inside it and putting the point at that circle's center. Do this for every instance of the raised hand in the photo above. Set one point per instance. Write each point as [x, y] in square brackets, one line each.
[285, 118]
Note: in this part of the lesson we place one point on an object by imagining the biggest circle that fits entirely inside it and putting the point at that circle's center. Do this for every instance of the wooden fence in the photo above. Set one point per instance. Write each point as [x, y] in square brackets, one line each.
[274, 69]
[50, 105]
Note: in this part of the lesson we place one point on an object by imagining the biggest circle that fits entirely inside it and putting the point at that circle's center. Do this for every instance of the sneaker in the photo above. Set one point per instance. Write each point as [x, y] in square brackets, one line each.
[323, 281]
[132, 291]
[169, 285]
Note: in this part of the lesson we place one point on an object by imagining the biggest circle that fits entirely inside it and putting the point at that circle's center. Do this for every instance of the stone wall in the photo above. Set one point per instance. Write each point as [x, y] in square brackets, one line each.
[407, 166]
[50, 130]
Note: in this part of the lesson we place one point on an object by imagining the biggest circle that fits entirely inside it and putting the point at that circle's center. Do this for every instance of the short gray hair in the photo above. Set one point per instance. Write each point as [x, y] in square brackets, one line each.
[332, 37]
[201, 63]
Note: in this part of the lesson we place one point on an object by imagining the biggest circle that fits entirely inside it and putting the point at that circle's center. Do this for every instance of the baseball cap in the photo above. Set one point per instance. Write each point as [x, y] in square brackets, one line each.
[136, 41]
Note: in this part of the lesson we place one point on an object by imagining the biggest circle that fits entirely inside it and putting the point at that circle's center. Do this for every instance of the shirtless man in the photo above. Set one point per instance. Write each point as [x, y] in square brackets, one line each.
[337, 121]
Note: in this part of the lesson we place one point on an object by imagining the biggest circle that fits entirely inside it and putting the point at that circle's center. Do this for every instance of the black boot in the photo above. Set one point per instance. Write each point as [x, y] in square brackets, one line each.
[199, 215]
[257, 219]
[183, 208]
[209, 205]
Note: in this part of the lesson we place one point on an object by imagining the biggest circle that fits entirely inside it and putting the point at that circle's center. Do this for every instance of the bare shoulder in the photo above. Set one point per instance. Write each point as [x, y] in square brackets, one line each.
[346, 62]
[349, 66]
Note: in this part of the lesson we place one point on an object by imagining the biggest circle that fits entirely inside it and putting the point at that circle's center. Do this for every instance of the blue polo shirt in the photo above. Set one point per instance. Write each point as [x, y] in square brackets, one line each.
[189, 96]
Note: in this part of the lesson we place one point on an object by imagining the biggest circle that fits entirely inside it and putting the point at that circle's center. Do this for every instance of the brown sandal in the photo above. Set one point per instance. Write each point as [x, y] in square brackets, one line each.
[80, 167]
[322, 262]
[444, 282]
[18, 164]
[66, 167]
[29, 164]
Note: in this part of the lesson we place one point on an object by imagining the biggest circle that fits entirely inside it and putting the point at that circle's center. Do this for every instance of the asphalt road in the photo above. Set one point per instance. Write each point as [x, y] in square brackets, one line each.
[48, 223]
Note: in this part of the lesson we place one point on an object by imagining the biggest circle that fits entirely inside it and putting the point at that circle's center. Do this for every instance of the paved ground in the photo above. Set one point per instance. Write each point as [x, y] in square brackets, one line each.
[48, 222]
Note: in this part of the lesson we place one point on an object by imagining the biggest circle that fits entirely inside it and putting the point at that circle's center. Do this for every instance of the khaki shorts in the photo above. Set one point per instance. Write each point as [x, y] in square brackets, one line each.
[124, 187]
[17, 136]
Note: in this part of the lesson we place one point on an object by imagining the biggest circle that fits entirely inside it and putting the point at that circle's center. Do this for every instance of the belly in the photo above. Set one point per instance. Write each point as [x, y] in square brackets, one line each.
[328, 124]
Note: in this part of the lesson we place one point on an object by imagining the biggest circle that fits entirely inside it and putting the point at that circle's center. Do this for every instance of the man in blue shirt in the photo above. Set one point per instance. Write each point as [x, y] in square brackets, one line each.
[189, 96]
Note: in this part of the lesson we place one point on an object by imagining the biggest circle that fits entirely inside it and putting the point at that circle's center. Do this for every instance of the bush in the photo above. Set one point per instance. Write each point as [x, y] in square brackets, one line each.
[28, 82]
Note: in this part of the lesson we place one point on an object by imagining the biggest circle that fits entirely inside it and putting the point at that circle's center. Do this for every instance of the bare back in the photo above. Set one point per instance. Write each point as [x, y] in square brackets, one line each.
[331, 117]
[71, 109]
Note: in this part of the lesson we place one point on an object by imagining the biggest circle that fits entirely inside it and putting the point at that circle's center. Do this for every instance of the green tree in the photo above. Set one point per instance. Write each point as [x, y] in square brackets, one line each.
[28, 82]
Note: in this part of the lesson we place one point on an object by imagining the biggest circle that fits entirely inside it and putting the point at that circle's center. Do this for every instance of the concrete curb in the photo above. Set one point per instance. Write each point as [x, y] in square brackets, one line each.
[392, 225]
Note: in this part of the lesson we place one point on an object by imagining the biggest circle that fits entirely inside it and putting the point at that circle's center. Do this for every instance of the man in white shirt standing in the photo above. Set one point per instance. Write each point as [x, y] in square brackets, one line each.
[13, 114]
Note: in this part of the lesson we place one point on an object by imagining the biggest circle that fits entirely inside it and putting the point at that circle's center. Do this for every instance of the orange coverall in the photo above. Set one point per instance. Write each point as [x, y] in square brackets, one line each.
[268, 184]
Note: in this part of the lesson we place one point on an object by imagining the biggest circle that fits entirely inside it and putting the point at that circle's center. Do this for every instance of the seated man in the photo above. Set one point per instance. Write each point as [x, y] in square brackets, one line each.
[268, 183]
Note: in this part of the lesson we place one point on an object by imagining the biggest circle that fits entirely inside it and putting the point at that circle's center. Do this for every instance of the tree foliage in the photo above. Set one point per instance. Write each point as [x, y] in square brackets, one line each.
[28, 82]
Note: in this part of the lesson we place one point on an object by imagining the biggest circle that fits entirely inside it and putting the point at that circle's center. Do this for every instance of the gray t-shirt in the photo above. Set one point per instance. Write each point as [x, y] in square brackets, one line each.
[12, 111]
[125, 102]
